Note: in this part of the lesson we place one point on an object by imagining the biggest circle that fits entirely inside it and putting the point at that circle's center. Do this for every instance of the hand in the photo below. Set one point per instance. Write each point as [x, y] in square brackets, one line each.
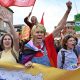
[69, 5]
[4, 16]
[29, 14]
[28, 64]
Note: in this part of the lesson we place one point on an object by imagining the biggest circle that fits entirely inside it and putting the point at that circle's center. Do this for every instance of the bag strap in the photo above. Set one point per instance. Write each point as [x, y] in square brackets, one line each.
[63, 59]
[0, 54]
[76, 53]
[13, 53]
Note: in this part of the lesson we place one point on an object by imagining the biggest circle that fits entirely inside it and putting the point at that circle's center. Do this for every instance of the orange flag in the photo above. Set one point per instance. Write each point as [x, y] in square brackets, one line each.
[25, 32]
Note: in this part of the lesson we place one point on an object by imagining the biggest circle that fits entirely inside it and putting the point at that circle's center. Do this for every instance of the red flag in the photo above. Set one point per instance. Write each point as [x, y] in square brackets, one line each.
[42, 20]
[24, 3]
[6, 3]
[20, 3]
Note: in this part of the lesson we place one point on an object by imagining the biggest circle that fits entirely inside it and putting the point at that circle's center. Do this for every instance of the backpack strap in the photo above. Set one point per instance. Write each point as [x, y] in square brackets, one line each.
[76, 53]
[63, 59]
[0, 54]
[13, 53]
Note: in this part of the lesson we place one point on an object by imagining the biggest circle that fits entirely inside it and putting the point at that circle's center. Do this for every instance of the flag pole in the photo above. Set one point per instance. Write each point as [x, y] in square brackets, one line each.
[33, 6]
[31, 9]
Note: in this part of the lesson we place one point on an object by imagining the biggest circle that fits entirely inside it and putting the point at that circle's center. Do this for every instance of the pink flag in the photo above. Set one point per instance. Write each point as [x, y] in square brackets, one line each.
[6, 3]
[24, 3]
[42, 20]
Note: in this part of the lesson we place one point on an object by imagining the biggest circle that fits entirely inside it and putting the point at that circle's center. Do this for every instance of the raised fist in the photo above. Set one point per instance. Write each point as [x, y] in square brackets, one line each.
[69, 4]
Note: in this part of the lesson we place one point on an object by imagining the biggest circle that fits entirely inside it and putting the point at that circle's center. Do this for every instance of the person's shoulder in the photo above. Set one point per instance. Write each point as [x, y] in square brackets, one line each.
[1, 51]
[61, 50]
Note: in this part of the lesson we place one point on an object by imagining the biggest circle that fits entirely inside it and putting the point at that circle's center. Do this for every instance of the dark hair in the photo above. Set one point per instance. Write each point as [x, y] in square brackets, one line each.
[3, 38]
[65, 39]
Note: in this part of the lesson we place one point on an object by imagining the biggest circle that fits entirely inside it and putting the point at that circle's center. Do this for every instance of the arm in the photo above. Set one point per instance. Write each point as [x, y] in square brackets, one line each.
[15, 36]
[26, 20]
[61, 24]
[59, 60]
[4, 17]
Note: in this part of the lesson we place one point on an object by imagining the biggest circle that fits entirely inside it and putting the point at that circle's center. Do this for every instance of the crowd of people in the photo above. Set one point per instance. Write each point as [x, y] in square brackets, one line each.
[40, 48]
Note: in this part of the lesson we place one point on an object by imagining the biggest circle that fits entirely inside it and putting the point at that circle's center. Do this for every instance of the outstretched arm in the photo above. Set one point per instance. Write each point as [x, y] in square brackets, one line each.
[5, 18]
[15, 36]
[61, 24]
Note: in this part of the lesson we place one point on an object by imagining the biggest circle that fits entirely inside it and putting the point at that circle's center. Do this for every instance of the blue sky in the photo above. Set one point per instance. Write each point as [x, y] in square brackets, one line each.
[53, 9]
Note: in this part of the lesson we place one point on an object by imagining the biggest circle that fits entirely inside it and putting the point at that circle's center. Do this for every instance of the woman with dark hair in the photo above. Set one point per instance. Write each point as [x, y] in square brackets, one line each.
[67, 56]
[9, 42]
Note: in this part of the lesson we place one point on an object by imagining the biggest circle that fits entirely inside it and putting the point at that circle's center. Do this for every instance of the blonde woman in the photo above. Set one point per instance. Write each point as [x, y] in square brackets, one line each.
[42, 47]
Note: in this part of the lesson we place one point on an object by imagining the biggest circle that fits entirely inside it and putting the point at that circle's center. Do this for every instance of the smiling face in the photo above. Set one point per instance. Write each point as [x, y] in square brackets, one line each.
[7, 41]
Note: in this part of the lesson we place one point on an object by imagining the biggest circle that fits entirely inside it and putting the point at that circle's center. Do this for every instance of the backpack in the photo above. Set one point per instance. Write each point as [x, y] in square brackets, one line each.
[12, 52]
[63, 57]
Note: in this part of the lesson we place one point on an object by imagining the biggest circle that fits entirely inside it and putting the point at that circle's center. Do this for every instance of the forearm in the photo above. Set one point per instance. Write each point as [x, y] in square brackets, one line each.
[63, 20]
[12, 30]
[62, 23]
[15, 36]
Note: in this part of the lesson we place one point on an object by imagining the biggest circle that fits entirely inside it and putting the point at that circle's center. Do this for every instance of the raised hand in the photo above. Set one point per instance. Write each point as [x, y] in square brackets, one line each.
[69, 4]
[4, 16]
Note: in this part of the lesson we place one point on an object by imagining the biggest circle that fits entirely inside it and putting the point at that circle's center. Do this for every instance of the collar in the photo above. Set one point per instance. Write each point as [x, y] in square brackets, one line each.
[33, 47]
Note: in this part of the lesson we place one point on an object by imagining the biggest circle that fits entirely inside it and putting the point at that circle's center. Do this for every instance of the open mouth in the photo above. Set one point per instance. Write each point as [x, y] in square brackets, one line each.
[39, 39]
[73, 44]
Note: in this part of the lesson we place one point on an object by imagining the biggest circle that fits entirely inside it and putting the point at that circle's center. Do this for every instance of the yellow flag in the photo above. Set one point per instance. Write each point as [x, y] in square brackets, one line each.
[40, 72]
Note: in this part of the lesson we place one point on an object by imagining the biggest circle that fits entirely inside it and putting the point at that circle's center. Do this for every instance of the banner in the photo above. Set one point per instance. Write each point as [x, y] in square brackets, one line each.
[20, 3]
[6, 3]
[16, 71]
[77, 23]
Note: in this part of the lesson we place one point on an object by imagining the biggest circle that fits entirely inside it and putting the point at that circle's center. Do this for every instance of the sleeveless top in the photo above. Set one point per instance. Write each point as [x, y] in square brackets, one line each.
[7, 56]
